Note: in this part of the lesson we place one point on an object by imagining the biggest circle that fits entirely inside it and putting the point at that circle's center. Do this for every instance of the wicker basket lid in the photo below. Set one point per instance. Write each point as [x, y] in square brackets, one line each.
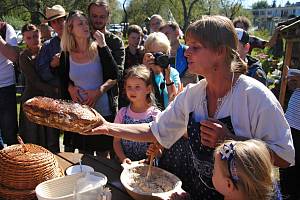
[24, 166]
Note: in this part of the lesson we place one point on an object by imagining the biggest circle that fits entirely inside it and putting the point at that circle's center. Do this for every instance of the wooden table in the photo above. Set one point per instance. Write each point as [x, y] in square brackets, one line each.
[110, 168]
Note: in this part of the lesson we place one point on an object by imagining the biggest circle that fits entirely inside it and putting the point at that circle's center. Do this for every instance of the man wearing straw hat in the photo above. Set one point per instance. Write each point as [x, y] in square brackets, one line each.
[48, 60]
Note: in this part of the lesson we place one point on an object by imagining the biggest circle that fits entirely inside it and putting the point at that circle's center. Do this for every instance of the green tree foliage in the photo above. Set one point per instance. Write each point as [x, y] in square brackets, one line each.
[32, 10]
[139, 10]
[184, 11]
[117, 11]
[16, 22]
[230, 8]
[260, 4]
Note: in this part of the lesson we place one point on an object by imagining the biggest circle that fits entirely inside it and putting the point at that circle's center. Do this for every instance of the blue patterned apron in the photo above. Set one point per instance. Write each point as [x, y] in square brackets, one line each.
[192, 163]
[135, 150]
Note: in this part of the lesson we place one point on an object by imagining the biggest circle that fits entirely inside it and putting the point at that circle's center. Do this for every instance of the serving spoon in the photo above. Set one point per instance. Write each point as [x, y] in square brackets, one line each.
[150, 166]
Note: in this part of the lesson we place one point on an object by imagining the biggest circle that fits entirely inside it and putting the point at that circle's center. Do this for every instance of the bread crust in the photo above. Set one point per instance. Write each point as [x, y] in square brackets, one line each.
[60, 114]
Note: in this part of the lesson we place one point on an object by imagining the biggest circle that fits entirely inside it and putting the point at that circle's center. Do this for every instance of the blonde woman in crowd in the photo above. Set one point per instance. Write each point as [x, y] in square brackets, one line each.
[85, 72]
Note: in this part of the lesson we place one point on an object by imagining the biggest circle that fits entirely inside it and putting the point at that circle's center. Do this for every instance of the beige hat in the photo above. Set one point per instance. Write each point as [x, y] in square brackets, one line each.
[57, 11]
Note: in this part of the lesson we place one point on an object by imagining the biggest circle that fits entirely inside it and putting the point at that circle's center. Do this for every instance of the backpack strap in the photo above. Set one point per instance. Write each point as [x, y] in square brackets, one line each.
[3, 30]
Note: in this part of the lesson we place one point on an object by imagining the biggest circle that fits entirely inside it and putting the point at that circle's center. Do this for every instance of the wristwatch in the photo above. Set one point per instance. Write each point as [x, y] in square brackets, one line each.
[169, 84]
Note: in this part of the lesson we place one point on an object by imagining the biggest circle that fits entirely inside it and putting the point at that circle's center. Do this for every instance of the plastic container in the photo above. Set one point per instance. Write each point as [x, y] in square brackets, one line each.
[63, 188]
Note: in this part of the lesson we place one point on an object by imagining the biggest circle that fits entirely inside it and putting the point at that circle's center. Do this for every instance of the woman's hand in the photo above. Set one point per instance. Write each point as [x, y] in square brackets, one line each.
[148, 60]
[126, 161]
[154, 149]
[91, 97]
[181, 195]
[74, 93]
[167, 74]
[100, 38]
[213, 132]
[100, 130]
[55, 61]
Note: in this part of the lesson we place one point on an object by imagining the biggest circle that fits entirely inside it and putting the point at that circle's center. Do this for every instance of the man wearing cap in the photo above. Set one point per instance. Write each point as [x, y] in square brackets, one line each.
[48, 61]
[255, 69]
[244, 23]
[8, 103]
[99, 13]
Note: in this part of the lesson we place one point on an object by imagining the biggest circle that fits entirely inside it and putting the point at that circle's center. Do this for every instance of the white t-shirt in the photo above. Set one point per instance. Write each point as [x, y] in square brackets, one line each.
[7, 73]
[254, 110]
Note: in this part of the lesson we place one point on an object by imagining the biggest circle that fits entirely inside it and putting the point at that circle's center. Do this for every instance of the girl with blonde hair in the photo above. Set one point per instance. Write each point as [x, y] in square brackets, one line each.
[244, 170]
[88, 73]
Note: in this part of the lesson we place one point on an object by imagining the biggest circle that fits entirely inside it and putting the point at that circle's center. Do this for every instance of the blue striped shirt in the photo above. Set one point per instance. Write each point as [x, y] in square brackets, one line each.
[293, 111]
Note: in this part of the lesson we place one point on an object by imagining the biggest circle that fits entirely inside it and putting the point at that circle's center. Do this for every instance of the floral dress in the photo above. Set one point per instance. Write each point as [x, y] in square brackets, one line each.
[193, 164]
[135, 150]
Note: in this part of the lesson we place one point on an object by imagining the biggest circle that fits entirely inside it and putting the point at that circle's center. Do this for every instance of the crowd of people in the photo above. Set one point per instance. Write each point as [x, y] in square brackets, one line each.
[201, 108]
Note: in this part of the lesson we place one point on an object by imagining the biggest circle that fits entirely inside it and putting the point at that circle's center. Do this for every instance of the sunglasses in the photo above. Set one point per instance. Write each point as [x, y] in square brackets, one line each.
[75, 13]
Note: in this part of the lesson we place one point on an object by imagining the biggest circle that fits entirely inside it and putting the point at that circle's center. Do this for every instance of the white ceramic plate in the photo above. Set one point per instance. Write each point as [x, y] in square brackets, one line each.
[77, 169]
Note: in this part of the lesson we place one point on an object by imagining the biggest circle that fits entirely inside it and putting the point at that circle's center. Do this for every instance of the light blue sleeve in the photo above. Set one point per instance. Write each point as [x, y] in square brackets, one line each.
[175, 77]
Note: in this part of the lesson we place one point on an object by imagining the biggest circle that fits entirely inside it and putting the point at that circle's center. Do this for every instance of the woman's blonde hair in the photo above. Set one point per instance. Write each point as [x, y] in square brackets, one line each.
[157, 39]
[252, 167]
[68, 42]
[143, 73]
[216, 32]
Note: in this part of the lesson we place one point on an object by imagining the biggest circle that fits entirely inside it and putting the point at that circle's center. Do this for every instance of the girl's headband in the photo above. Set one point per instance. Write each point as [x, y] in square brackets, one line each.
[227, 153]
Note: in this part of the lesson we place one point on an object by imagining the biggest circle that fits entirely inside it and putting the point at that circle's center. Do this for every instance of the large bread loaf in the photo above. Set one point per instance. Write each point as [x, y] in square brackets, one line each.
[67, 116]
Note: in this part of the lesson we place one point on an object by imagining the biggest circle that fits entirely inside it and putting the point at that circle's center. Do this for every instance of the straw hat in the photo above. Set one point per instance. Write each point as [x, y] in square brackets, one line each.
[55, 12]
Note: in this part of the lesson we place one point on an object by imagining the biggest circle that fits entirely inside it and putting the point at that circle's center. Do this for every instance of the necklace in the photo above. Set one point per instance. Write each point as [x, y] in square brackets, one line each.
[221, 100]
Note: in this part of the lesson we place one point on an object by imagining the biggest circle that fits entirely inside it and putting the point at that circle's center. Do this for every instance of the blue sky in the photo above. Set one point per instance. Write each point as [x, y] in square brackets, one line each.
[248, 3]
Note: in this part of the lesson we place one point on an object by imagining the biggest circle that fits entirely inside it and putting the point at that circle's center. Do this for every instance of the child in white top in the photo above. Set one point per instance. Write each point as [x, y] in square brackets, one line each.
[138, 88]
[243, 170]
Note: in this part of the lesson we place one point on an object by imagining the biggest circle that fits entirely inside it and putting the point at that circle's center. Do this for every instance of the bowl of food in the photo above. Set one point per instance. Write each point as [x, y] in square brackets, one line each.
[159, 185]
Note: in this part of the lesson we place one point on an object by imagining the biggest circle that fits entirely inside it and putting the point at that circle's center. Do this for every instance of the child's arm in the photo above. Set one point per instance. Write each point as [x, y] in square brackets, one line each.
[119, 151]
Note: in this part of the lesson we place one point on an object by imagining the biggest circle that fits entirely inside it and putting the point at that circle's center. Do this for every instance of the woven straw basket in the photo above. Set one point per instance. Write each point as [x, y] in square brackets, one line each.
[23, 167]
